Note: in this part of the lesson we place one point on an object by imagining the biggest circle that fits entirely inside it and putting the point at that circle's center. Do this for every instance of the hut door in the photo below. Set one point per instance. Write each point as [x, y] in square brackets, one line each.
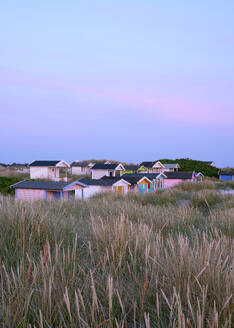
[121, 189]
[56, 194]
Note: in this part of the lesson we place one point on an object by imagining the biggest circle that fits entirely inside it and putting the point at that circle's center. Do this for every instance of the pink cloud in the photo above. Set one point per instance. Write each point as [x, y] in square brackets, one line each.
[171, 107]
[186, 110]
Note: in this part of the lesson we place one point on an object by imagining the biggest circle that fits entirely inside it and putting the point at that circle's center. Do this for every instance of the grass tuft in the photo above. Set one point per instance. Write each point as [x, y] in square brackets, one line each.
[115, 261]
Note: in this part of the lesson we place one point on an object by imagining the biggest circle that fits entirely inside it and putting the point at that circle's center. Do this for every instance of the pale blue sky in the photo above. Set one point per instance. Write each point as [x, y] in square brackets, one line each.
[126, 80]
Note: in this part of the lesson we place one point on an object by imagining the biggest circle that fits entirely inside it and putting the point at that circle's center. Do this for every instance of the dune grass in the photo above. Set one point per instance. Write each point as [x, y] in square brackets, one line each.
[114, 261]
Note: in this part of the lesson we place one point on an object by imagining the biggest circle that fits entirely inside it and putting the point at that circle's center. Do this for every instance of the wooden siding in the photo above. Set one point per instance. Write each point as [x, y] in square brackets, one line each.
[91, 191]
[65, 195]
[74, 187]
[169, 170]
[121, 187]
[168, 183]
[158, 165]
[50, 195]
[80, 170]
[98, 174]
[30, 194]
[38, 172]
[50, 173]
[37, 194]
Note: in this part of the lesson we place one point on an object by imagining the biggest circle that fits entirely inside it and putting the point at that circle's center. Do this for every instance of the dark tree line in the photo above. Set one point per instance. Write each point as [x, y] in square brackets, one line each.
[187, 164]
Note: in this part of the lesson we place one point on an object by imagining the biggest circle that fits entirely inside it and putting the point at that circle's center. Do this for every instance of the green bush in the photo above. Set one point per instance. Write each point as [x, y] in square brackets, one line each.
[187, 164]
[225, 184]
[198, 186]
[5, 183]
[207, 199]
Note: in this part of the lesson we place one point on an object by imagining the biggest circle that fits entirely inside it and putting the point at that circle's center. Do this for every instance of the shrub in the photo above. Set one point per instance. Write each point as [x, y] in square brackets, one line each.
[206, 199]
[200, 185]
[6, 182]
[187, 164]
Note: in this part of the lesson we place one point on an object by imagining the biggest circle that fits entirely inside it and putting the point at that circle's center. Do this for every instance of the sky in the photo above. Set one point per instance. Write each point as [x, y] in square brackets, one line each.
[128, 80]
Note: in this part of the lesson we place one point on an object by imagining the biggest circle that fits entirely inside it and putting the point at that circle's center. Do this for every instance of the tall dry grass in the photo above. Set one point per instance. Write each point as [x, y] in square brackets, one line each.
[118, 261]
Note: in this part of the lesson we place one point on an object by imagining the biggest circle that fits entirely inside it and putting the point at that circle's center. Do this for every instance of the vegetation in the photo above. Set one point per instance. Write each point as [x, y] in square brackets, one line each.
[75, 177]
[92, 160]
[187, 164]
[13, 172]
[14, 164]
[115, 261]
[6, 182]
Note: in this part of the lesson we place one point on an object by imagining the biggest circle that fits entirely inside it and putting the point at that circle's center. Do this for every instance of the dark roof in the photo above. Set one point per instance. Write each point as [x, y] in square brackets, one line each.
[151, 164]
[100, 182]
[140, 175]
[208, 162]
[109, 181]
[147, 164]
[133, 180]
[109, 178]
[131, 167]
[80, 164]
[44, 163]
[169, 175]
[102, 166]
[47, 185]
[179, 175]
[226, 172]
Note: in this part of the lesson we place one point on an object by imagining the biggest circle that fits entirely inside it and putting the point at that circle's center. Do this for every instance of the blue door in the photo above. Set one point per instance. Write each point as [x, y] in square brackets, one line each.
[56, 194]
[142, 188]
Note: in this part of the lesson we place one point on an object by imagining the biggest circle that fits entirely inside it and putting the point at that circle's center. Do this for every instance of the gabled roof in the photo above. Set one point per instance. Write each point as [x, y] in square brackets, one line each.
[131, 167]
[179, 175]
[138, 176]
[158, 162]
[151, 164]
[161, 175]
[134, 178]
[109, 181]
[80, 164]
[147, 164]
[47, 163]
[100, 182]
[45, 185]
[102, 166]
[167, 175]
[208, 162]
[123, 180]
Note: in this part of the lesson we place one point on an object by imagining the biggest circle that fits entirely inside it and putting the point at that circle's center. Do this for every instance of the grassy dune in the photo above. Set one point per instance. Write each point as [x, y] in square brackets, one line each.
[113, 261]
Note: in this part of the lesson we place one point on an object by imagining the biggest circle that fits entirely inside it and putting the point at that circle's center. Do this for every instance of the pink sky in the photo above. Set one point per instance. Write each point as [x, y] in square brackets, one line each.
[167, 106]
